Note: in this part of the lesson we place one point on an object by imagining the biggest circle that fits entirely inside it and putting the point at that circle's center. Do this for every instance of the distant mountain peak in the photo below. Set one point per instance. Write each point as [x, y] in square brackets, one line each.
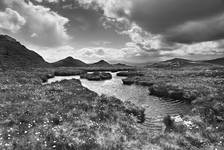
[101, 63]
[69, 57]
[69, 62]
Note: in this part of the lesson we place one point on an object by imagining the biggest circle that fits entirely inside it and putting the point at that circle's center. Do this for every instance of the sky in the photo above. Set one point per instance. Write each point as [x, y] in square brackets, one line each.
[133, 31]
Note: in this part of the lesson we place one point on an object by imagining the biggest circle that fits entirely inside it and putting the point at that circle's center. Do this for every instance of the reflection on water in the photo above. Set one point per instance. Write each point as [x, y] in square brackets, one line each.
[156, 108]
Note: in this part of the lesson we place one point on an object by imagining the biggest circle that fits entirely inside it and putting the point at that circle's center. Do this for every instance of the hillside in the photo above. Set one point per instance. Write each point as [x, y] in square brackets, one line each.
[120, 65]
[218, 61]
[15, 55]
[101, 63]
[69, 62]
[176, 63]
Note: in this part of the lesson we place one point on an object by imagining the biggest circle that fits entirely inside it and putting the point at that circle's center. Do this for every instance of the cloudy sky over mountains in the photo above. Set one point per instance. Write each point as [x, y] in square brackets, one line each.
[117, 30]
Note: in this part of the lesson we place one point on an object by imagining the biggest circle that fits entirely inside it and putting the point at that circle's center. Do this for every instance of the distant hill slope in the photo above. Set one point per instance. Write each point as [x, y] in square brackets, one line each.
[176, 63]
[101, 63]
[69, 62]
[120, 65]
[15, 55]
[218, 61]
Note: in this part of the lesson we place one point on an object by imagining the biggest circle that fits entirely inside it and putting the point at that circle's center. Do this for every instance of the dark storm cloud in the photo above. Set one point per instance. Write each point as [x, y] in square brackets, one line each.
[86, 24]
[176, 20]
[182, 21]
[197, 31]
[2, 5]
[158, 16]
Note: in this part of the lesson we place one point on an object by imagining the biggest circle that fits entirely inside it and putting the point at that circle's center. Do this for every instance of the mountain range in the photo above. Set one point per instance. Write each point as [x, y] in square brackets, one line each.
[179, 62]
[15, 55]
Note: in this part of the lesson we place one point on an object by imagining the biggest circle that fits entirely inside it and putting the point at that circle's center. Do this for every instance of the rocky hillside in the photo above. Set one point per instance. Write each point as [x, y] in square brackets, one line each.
[15, 55]
[69, 62]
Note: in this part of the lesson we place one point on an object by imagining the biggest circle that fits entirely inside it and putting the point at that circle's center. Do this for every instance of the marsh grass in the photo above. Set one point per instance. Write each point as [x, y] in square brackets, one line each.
[65, 115]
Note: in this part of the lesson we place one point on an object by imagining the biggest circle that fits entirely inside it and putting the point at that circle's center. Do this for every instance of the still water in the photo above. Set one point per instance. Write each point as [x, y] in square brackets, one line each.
[156, 108]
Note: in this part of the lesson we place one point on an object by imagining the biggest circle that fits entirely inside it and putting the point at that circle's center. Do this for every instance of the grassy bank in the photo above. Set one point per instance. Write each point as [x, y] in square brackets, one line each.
[204, 128]
[63, 115]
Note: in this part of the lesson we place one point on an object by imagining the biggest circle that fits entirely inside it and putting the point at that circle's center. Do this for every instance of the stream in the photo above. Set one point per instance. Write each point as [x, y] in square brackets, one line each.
[155, 108]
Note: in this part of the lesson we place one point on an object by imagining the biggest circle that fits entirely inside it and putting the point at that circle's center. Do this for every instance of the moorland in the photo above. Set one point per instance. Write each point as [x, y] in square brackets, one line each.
[67, 116]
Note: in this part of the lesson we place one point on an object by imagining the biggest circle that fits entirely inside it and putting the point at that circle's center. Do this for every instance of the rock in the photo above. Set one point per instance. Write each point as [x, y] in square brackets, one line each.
[136, 111]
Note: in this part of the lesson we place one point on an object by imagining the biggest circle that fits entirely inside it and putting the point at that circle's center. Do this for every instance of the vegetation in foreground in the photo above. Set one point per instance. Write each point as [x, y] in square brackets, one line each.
[65, 115]
[203, 87]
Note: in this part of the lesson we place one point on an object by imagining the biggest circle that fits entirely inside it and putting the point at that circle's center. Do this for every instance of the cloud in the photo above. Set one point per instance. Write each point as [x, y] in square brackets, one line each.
[198, 31]
[47, 24]
[93, 54]
[157, 16]
[176, 20]
[111, 8]
[100, 52]
[11, 21]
